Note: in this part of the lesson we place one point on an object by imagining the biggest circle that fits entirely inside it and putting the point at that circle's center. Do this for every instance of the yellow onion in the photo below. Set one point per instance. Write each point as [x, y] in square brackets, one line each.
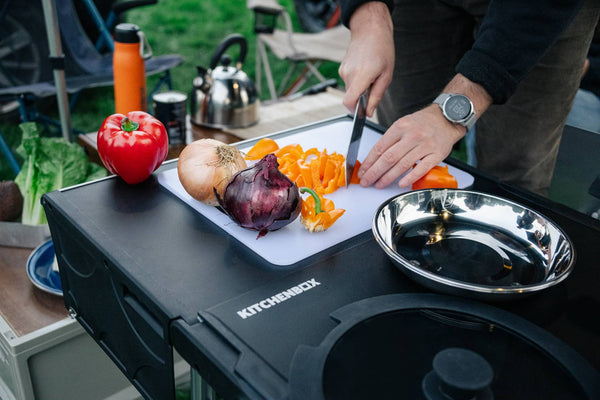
[206, 166]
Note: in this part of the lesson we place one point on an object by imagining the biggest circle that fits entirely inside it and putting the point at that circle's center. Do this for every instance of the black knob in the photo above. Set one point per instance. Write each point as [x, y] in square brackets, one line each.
[225, 60]
[458, 374]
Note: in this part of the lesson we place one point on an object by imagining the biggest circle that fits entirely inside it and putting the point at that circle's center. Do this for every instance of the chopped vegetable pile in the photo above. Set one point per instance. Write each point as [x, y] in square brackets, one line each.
[312, 168]
[316, 172]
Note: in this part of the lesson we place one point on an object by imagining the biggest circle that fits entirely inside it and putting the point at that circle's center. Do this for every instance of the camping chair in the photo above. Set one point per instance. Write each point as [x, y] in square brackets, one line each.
[85, 65]
[303, 50]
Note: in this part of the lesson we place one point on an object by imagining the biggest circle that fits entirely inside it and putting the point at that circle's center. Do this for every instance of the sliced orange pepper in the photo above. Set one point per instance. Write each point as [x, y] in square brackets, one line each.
[313, 151]
[317, 184]
[261, 148]
[322, 163]
[294, 150]
[300, 181]
[293, 170]
[318, 213]
[437, 177]
[354, 177]
[341, 178]
[319, 170]
[306, 175]
[329, 173]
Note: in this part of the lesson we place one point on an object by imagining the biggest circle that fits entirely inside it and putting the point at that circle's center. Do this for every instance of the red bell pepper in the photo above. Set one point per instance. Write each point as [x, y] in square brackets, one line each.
[132, 146]
[437, 177]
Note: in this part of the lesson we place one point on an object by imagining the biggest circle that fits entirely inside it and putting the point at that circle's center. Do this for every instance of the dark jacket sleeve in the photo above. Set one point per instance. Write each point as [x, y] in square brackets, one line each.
[513, 37]
[348, 7]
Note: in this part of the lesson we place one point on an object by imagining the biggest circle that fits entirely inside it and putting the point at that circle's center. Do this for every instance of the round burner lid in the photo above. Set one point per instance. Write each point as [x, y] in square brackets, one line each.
[388, 347]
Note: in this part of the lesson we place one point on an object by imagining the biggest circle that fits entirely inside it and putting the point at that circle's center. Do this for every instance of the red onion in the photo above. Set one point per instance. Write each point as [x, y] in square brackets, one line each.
[261, 197]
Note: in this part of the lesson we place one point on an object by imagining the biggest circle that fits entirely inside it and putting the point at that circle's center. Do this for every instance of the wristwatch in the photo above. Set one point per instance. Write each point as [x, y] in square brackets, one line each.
[457, 108]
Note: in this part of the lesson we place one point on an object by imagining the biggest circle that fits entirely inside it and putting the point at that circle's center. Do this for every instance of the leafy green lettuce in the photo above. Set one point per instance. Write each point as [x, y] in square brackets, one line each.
[50, 164]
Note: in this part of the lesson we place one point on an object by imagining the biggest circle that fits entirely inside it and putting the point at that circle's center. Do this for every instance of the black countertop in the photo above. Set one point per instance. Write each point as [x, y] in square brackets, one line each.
[144, 272]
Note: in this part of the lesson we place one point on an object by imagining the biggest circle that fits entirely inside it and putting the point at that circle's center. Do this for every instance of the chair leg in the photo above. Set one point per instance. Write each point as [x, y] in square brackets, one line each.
[29, 113]
[310, 69]
[313, 67]
[12, 161]
[257, 69]
[267, 67]
[284, 90]
[24, 110]
[73, 100]
[105, 36]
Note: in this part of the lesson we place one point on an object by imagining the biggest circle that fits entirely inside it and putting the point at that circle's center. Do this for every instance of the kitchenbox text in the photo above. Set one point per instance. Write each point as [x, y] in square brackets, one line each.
[278, 298]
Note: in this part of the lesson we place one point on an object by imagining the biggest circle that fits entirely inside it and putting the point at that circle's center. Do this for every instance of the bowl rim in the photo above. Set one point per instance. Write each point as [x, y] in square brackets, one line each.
[468, 287]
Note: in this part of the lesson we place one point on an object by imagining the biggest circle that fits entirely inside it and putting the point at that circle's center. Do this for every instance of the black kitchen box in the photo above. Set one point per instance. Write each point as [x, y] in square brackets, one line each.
[144, 273]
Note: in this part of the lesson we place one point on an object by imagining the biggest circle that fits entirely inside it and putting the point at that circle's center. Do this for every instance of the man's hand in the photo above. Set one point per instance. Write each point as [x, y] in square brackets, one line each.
[425, 136]
[369, 61]
[422, 136]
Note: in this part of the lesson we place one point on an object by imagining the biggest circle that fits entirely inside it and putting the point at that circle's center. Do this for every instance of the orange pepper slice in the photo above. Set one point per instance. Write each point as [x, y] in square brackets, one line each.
[318, 213]
[322, 163]
[313, 151]
[317, 184]
[293, 150]
[305, 172]
[341, 178]
[329, 172]
[354, 177]
[437, 177]
[261, 148]
[300, 181]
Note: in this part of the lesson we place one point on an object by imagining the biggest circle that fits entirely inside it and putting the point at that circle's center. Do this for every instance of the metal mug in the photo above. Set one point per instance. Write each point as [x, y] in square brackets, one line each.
[170, 109]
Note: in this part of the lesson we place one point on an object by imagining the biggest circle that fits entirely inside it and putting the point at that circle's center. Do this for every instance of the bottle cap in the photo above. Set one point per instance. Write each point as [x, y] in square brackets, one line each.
[127, 33]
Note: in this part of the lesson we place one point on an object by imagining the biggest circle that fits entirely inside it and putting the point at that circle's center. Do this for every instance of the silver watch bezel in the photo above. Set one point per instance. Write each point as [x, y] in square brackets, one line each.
[468, 121]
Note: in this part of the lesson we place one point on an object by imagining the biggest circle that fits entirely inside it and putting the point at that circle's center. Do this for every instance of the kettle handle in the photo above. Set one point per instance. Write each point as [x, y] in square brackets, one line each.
[234, 38]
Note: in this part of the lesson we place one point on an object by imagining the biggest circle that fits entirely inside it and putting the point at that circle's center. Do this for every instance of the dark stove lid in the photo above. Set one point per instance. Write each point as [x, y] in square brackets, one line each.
[393, 346]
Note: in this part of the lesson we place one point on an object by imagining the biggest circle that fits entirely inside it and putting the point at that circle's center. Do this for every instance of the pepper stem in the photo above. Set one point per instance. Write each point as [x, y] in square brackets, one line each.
[315, 196]
[128, 125]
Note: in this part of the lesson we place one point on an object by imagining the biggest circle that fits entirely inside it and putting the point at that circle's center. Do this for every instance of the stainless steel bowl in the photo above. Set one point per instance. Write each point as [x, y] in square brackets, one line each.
[472, 244]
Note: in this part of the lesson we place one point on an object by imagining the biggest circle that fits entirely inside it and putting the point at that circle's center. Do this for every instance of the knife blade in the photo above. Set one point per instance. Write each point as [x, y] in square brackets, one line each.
[360, 116]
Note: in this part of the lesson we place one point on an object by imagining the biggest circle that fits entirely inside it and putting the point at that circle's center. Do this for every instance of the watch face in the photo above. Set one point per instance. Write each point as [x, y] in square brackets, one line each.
[457, 107]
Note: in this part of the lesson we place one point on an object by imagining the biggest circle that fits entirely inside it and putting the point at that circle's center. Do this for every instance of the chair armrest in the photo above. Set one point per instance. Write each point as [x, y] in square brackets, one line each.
[123, 6]
[270, 7]
[266, 13]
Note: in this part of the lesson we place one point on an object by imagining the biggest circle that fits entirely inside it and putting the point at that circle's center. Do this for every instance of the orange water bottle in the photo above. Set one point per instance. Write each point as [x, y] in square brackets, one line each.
[131, 48]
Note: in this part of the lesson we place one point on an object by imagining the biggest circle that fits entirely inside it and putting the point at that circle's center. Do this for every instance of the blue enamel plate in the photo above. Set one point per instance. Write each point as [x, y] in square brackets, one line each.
[39, 269]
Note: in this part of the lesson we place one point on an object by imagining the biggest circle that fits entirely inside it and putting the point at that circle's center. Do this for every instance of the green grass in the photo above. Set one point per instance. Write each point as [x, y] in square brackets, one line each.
[191, 28]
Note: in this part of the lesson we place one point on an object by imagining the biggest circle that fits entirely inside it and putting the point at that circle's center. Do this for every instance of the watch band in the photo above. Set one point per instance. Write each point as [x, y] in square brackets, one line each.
[468, 121]
[441, 98]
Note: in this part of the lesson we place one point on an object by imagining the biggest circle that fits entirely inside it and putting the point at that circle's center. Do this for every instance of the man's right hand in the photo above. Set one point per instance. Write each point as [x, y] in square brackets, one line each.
[369, 61]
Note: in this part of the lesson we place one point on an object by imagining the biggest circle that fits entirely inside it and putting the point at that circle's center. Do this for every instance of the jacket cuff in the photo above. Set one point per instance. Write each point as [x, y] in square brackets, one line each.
[484, 70]
[349, 6]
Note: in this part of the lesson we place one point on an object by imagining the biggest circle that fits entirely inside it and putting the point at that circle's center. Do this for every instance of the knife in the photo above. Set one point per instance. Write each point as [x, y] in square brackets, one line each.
[360, 116]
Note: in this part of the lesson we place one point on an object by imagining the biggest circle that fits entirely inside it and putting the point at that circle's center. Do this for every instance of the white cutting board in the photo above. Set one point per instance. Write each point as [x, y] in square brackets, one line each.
[293, 243]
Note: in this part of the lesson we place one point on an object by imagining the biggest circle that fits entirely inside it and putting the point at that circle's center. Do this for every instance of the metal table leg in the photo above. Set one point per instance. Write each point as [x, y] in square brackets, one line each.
[199, 388]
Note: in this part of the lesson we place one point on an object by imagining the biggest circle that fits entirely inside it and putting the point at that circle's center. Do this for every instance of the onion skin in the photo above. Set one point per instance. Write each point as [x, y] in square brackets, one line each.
[208, 164]
[261, 198]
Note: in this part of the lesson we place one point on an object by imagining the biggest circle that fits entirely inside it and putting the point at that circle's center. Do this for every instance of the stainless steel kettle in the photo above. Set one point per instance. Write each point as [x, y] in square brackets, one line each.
[223, 96]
